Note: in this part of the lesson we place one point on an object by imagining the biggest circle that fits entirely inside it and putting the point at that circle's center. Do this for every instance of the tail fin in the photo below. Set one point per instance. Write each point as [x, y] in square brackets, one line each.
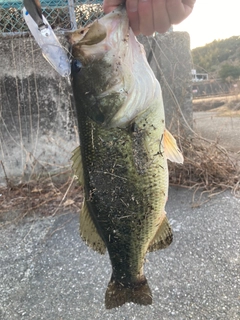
[117, 294]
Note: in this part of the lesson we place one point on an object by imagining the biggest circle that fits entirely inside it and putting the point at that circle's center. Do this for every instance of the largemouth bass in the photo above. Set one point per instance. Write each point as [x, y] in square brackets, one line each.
[122, 160]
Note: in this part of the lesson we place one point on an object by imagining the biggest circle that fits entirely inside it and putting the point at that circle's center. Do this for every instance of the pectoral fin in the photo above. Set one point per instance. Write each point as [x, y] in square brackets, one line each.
[88, 231]
[171, 149]
[163, 236]
[77, 165]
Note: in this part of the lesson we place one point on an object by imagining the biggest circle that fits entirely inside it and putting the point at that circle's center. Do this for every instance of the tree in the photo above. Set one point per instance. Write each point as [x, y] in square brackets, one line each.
[228, 70]
[212, 55]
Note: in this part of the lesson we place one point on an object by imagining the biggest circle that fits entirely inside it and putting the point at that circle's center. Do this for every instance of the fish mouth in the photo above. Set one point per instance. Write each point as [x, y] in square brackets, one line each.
[99, 30]
[68, 36]
[92, 34]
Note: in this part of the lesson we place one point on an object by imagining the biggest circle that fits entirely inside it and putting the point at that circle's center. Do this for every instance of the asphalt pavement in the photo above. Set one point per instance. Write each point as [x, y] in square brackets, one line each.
[48, 273]
[225, 130]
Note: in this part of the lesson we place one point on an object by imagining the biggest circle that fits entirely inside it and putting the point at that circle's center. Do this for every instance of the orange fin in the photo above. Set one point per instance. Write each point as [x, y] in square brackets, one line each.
[117, 294]
[171, 149]
[163, 237]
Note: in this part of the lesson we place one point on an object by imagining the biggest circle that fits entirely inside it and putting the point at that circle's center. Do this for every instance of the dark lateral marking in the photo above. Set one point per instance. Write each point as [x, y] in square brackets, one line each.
[160, 152]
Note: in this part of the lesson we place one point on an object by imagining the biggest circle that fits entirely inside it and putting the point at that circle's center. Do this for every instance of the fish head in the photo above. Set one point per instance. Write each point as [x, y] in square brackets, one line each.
[110, 73]
[86, 38]
[98, 38]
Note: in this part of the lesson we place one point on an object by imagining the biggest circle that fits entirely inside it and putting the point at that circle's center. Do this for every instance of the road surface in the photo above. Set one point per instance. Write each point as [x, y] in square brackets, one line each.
[48, 273]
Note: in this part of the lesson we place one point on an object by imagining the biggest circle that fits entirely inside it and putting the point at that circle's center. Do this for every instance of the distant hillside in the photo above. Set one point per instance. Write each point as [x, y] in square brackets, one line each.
[220, 58]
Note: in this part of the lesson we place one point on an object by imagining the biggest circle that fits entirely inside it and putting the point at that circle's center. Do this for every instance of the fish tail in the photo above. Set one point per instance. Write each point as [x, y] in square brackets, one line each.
[117, 294]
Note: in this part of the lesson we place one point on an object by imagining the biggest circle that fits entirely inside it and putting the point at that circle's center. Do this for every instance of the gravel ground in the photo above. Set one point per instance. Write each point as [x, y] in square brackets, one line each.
[48, 273]
[223, 129]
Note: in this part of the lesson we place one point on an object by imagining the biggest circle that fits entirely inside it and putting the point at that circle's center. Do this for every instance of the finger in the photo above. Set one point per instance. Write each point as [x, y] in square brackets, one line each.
[178, 10]
[189, 3]
[132, 11]
[145, 14]
[160, 16]
[110, 5]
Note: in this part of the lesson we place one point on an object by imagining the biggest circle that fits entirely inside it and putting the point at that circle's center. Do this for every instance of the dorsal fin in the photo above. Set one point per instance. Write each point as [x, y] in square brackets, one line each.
[163, 236]
[171, 149]
[77, 165]
[88, 231]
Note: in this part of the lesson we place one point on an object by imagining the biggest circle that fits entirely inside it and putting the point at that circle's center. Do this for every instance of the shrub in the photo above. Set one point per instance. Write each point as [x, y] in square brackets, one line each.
[228, 70]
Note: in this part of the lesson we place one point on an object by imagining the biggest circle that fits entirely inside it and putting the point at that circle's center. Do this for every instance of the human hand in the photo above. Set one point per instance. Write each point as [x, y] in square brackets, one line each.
[148, 16]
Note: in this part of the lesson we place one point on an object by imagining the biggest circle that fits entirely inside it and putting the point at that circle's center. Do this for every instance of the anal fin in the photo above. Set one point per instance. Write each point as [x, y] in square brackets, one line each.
[89, 232]
[163, 236]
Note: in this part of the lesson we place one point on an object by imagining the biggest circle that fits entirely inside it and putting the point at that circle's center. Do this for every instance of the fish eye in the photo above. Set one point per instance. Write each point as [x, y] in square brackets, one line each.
[76, 65]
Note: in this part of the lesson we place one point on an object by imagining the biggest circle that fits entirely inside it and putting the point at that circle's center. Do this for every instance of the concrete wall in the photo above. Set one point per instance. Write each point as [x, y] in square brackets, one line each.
[37, 124]
[169, 56]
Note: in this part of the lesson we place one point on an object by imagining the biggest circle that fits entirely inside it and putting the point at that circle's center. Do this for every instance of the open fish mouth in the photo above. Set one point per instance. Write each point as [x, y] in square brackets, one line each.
[92, 34]
[109, 30]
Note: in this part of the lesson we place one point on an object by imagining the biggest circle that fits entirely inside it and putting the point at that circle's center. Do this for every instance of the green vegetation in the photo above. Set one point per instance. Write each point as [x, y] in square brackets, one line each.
[228, 70]
[220, 56]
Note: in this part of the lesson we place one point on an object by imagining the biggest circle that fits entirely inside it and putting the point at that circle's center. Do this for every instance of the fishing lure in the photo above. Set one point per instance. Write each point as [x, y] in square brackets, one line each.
[51, 48]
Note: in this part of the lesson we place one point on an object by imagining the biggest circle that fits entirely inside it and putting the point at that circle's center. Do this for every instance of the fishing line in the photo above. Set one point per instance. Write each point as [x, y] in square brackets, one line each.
[219, 147]
[169, 88]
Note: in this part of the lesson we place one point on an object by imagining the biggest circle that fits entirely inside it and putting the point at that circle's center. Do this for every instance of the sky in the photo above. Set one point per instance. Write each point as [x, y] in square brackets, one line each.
[210, 20]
